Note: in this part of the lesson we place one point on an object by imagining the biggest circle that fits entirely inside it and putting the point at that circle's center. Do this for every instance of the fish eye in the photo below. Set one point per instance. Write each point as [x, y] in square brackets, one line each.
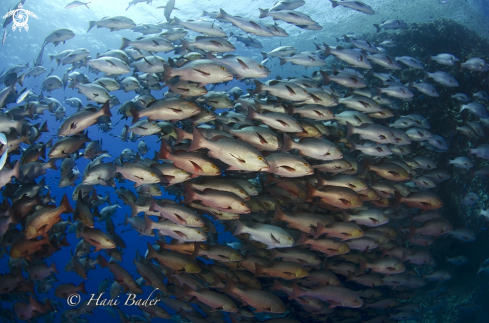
[191, 103]
[242, 204]
[306, 164]
[197, 219]
[214, 166]
[304, 91]
[223, 68]
[198, 232]
[152, 174]
[260, 158]
[260, 66]
[337, 149]
[297, 123]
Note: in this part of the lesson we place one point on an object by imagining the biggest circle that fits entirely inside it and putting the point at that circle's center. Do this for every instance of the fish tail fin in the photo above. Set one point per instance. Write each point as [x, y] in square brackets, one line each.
[221, 14]
[296, 292]
[327, 50]
[167, 74]
[91, 24]
[185, 44]
[230, 287]
[15, 172]
[264, 55]
[319, 230]
[279, 214]
[398, 198]
[346, 217]
[106, 109]
[426, 75]
[363, 265]
[326, 78]
[81, 288]
[224, 128]
[135, 115]
[102, 262]
[311, 191]
[151, 252]
[35, 304]
[289, 108]
[53, 268]
[153, 206]
[125, 43]
[350, 130]
[240, 227]
[258, 87]
[51, 164]
[282, 60]
[148, 223]
[353, 146]
[126, 219]
[86, 5]
[20, 79]
[459, 65]
[263, 13]
[252, 114]
[377, 27]
[44, 127]
[181, 135]
[198, 142]
[133, 207]
[302, 240]
[190, 195]
[165, 150]
[65, 205]
[288, 143]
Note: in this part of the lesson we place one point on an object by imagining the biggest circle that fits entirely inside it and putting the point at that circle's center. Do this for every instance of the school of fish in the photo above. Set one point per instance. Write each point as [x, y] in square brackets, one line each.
[314, 176]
